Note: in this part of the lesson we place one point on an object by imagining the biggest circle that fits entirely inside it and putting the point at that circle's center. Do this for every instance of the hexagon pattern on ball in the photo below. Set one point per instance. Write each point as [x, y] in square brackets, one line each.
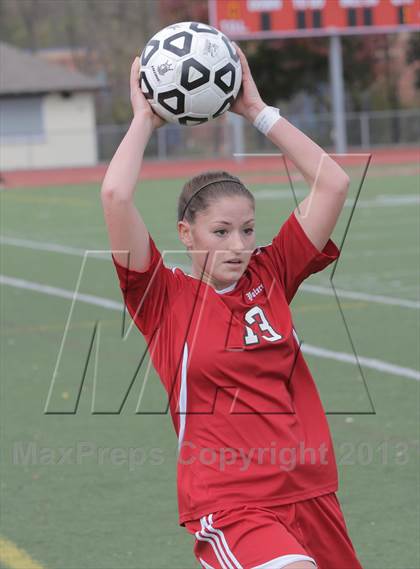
[190, 73]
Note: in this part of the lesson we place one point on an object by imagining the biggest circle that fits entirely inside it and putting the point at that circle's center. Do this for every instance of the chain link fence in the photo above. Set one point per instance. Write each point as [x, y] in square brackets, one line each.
[216, 139]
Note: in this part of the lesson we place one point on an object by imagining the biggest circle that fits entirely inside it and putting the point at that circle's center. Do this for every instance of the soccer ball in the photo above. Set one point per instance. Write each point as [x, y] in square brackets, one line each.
[190, 73]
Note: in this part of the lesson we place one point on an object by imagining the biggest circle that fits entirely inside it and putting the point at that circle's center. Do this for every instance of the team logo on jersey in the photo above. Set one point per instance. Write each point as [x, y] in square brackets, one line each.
[254, 292]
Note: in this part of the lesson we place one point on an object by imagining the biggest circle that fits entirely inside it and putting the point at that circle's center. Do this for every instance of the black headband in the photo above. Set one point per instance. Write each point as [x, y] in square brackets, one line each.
[205, 186]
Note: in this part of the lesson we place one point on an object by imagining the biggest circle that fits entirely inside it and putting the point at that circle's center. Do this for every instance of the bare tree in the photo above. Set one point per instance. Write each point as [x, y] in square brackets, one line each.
[113, 32]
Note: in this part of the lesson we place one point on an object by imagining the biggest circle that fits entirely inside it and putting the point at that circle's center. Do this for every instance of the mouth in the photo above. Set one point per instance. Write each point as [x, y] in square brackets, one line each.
[234, 262]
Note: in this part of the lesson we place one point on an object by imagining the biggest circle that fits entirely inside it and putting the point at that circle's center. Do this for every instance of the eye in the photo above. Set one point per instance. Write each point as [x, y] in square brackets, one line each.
[220, 231]
[249, 230]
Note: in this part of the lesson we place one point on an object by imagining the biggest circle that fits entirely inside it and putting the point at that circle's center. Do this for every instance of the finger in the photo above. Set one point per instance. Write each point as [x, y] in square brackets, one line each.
[244, 61]
[135, 75]
[238, 49]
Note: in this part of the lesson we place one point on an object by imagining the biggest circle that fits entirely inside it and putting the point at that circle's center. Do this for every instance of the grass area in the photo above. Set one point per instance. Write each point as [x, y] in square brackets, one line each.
[88, 510]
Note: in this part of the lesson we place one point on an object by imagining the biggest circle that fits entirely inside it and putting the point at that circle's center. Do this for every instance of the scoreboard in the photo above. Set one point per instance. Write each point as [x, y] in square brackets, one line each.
[265, 19]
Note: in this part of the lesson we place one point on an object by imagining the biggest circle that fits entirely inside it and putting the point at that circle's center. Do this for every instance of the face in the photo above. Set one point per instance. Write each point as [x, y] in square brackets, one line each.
[226, 231]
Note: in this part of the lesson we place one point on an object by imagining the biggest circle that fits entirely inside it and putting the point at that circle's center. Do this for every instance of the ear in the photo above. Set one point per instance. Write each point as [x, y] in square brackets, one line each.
[185, 233]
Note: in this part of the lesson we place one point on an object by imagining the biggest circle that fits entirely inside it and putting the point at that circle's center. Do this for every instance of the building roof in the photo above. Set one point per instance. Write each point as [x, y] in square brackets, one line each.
[23, 72]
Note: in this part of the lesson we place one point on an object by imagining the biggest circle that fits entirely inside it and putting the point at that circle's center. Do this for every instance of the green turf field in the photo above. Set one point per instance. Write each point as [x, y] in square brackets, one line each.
[100, 510]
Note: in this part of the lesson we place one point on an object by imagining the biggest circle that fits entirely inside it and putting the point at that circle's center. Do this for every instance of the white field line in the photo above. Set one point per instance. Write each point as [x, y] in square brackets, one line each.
[377, 298]
[47, 246]
[61, 293]
[378, 201]
[371, 363]
[105, 256]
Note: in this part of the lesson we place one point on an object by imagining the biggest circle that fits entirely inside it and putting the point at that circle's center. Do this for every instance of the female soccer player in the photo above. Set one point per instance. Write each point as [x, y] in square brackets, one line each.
[256, 469]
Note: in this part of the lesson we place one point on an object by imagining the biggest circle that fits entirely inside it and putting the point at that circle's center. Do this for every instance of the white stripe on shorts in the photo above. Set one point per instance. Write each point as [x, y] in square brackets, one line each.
[202, 535]
[218, 542]
[284, 561]
[209, 527]
[205, 565]
[225, 556]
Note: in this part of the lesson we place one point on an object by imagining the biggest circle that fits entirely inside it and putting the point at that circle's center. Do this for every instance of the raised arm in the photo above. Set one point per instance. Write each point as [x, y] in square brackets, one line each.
[319, 211]
[126, 228]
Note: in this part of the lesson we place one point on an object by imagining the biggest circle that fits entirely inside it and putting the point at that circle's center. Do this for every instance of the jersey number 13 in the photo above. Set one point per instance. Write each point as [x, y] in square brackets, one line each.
[256, 316]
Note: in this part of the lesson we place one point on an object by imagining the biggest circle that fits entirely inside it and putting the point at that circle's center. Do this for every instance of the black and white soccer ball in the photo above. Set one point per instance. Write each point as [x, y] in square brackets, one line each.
[190, 73]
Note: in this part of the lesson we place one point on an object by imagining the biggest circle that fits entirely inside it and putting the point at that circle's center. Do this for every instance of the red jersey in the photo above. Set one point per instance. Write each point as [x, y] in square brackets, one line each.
[249, 420]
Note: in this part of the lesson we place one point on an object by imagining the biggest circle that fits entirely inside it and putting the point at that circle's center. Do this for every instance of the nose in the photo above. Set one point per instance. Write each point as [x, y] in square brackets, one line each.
[237, 242]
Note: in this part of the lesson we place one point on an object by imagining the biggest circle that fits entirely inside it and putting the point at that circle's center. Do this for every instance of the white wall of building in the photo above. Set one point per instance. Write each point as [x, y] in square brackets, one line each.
[51, 131]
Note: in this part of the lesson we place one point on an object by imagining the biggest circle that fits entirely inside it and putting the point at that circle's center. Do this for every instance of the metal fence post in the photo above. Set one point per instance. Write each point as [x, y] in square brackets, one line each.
[364, 130]
[161, 144]
[338, 94]
[237, 125]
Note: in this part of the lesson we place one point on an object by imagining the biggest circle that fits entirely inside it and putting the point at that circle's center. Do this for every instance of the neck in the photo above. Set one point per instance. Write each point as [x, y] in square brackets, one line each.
[219, 286]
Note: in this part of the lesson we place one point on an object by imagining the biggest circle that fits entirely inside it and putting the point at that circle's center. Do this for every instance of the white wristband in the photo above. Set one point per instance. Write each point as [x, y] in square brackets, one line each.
[266, 119]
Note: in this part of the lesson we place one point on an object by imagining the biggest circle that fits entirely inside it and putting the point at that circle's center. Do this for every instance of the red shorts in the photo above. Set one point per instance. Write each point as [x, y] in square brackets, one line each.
[254, 537]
